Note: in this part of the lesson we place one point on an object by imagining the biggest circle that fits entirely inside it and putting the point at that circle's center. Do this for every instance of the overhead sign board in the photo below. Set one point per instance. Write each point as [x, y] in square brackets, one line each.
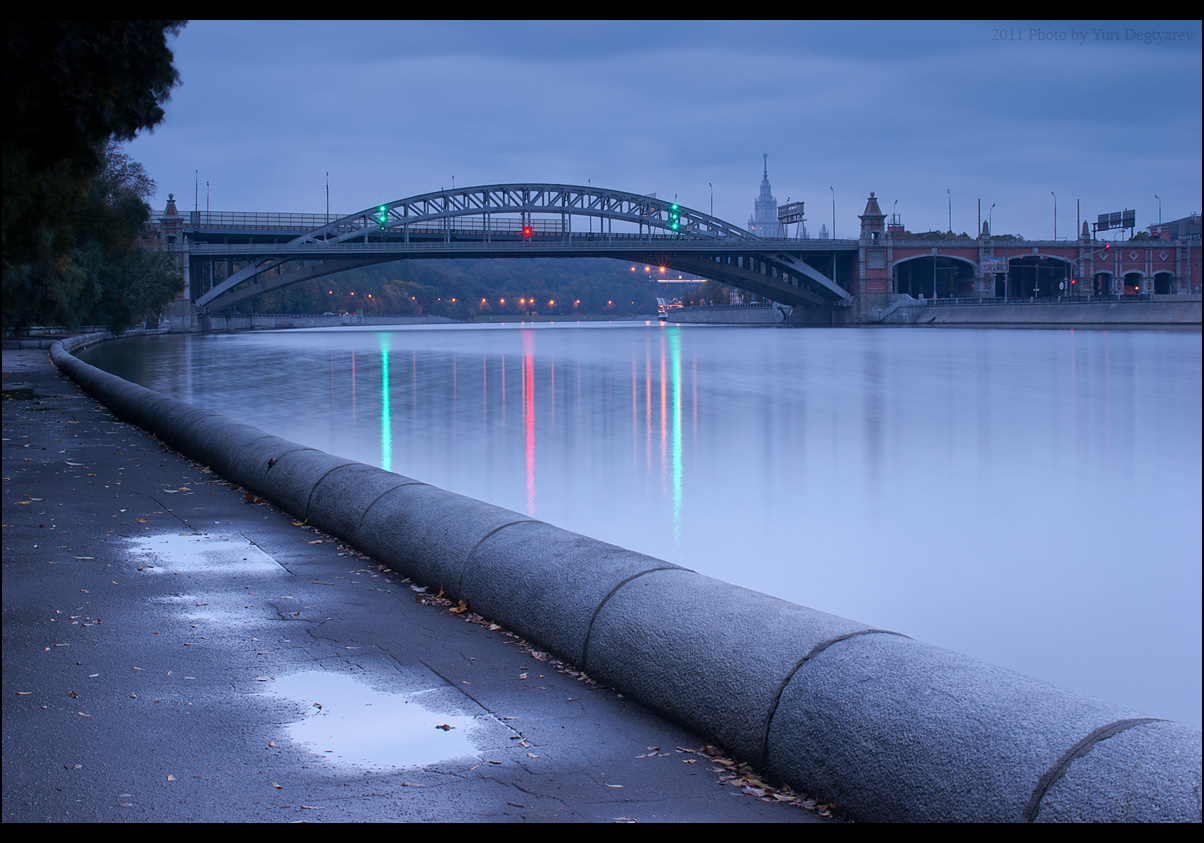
[992, 265]
[791, 213]
[1116, 219]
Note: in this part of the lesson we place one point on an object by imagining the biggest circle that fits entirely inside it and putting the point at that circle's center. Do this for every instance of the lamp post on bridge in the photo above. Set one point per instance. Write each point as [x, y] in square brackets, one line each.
[1055, 196]
[833, 211]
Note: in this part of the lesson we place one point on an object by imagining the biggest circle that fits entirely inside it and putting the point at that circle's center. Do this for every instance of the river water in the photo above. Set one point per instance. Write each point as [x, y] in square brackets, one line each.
[1028, 497]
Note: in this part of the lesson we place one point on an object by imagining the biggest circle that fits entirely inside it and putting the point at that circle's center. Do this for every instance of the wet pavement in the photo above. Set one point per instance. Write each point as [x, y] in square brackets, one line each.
[178, 650]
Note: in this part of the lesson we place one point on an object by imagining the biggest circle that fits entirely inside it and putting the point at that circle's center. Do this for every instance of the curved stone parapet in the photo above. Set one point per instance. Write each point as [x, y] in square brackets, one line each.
[889, 728]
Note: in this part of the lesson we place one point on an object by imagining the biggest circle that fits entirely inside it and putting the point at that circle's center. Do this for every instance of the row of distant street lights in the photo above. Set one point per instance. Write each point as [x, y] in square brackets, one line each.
[990, 212]
[522, 302]
[894, 212]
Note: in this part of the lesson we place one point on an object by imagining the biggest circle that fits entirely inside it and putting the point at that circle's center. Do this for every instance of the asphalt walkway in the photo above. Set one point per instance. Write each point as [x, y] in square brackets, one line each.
[175, 649]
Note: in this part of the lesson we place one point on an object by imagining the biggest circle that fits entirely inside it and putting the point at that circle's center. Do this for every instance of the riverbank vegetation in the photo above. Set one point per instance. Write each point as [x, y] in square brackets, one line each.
[466, 289]
[76, 247]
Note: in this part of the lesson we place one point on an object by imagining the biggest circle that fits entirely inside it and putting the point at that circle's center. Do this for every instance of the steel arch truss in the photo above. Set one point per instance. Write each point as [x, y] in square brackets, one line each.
[497, 207]
[488, 214]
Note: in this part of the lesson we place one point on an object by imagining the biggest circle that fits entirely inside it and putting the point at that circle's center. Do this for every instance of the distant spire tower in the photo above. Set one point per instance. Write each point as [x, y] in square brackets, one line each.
[764, 221]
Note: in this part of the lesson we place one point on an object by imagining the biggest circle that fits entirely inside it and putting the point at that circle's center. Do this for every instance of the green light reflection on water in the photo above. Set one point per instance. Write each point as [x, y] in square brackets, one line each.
[675, 443]
[386, 424]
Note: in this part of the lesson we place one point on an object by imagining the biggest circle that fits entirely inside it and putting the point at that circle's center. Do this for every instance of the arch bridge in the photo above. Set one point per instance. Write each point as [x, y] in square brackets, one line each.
[510, 220]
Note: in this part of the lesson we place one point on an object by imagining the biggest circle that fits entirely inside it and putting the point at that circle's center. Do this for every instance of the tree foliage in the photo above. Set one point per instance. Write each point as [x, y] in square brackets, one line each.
[71, 87]
[462, 289]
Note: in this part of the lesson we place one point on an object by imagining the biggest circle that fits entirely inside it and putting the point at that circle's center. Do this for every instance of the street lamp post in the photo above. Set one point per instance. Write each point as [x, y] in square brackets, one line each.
[950, 196]
[934, 273]
[991, 235]
[1055, 196]
[833, 211]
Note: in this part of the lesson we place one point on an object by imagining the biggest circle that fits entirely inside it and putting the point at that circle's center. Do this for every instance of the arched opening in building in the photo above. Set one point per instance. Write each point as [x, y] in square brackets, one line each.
[1101, 284]
[1134, 283]
[922, 277]
[1164, 283]
[1039, 275]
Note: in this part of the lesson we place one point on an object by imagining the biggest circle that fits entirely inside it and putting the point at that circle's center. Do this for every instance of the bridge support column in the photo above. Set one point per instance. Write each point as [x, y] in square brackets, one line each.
[182, 314]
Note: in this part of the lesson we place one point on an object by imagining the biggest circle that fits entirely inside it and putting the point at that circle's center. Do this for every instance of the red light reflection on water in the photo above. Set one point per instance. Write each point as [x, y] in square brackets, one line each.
[529, 414]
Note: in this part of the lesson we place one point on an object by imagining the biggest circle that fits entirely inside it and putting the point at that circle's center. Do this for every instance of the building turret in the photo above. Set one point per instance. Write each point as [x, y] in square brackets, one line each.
[872, 221]
[171, 224]
[172, 239]
[873, 255]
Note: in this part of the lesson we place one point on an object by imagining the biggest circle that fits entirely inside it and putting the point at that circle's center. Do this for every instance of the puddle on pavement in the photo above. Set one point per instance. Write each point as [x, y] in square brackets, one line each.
[351, 723]
[20, 394]
[192, 552]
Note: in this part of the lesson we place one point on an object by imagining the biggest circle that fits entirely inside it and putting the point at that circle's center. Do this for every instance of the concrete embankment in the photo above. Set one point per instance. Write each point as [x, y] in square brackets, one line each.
[736, 314]
[890, 728]
[277, 321]
[1182, 311]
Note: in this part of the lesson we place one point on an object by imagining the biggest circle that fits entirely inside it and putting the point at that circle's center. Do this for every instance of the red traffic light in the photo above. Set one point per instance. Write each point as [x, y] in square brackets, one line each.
[526, 231]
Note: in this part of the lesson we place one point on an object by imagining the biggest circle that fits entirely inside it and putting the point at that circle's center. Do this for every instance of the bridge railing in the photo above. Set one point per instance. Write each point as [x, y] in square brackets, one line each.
[259, 220]
[961, 301]
[511, 241]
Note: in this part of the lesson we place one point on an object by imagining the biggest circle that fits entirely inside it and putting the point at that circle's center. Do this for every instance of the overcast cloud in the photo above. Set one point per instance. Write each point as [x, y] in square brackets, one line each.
[909, 110]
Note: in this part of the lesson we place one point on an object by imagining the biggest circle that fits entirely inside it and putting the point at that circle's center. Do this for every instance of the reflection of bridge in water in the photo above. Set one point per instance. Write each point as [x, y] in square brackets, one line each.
[233, 257]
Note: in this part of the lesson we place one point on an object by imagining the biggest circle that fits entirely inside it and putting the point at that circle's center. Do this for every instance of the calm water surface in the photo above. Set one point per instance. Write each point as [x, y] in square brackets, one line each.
[1031, 498]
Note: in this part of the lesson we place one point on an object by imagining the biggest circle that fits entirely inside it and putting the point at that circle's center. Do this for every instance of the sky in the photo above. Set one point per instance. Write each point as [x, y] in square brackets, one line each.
[934, 117]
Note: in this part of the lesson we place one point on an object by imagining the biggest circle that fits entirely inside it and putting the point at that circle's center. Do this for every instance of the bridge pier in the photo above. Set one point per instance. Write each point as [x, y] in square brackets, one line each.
[819, 315]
